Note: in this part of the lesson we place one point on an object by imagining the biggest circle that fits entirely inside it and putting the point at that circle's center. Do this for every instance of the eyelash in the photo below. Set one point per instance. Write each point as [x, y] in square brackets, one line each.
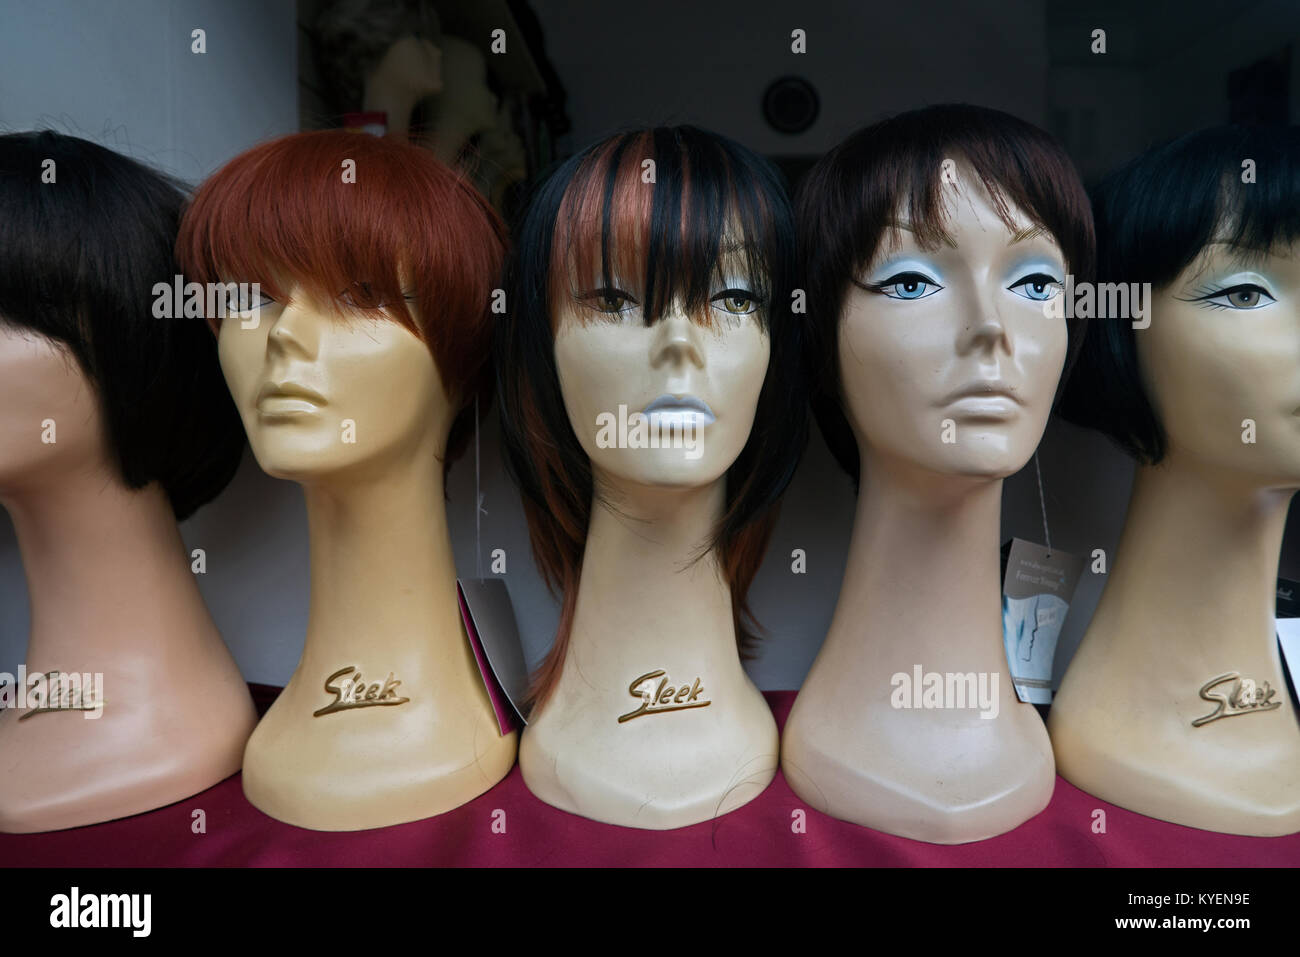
[593, 298]
[345, 296]
[1207, 294]
[911, 277]
[901, 279]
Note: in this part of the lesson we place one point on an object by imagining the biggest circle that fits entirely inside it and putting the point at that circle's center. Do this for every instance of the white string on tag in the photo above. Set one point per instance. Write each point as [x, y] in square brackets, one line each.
[1042, 503]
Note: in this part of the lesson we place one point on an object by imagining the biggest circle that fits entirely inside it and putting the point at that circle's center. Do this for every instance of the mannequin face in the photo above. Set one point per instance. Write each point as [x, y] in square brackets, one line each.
[607, 356]
[40, 380]
[328, 391]
[1224, 346]
[953, 343]
[412, 62]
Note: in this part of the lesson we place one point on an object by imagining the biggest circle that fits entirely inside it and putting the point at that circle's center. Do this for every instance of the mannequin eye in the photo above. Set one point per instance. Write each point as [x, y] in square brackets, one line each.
[242, 299]
[361, 295]
[736, 302]
[904, 285]
[1244, 295]
[1039, 287]
[608, 300]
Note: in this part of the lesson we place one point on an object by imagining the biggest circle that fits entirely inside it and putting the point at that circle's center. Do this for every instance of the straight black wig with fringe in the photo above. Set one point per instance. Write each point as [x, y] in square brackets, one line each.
[711, 198]
[1154, 218]
[851, 199]
[79, 257]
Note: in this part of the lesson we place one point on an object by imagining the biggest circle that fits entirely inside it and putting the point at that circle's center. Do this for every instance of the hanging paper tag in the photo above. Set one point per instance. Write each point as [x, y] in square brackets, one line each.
[1037, 586]
[494, 635]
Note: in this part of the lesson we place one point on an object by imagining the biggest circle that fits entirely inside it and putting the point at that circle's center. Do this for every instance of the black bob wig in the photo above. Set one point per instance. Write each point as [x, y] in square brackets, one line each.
[1154, 217]
[79, 257]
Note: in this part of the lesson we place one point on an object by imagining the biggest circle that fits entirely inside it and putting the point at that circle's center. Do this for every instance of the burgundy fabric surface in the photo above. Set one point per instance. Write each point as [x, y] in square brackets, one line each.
[758, 834]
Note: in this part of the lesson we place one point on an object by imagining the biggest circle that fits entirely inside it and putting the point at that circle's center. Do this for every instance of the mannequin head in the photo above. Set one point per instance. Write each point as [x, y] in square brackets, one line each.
[932, 243]
[625, 292]
[375, 298]
[391, 42]
[79, 344]
[1224, 335]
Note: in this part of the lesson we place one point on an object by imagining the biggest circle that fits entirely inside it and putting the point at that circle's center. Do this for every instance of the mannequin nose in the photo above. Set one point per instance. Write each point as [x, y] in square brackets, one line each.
[294, 328]
[677, 340]
[985, 329]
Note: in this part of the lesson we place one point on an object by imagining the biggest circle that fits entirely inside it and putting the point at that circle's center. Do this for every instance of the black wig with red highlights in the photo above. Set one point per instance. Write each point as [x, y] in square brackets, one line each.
[710, 198]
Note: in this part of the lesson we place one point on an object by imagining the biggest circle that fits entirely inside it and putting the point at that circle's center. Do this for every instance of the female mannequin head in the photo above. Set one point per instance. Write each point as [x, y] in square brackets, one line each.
[1210, 221]
[79, 257]
[371, 338]
[932, 243]
[389, 43]
[653, 271]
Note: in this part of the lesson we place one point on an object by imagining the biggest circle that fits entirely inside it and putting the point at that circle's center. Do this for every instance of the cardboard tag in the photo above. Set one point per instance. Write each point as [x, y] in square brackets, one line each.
[494, 635]
[1037, 586]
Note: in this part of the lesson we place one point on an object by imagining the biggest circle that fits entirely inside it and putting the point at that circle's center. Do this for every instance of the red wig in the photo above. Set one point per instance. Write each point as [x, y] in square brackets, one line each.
[338, 212]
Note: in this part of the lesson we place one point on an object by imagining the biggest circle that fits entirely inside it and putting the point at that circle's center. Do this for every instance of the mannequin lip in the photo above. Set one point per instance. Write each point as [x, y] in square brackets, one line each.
[285, 398]
[990, 389]
[667, 407]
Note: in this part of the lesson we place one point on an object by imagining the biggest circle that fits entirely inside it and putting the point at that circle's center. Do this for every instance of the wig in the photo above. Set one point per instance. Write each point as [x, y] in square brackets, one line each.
[1155, 216]
[79, 258]
[711, 198]
[352, 37]
[285, 212]
[853, 195]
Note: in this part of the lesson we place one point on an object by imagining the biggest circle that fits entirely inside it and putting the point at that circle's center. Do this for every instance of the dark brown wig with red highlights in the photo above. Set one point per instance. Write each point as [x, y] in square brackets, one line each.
[712, 202]
[853, 198]
[339, 213]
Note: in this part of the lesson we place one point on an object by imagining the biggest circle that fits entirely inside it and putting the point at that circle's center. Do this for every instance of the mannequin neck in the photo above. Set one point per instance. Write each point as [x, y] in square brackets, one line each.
[1192, 532]
[644, 600]
[917, 535]
[107, 575]
[383, 579]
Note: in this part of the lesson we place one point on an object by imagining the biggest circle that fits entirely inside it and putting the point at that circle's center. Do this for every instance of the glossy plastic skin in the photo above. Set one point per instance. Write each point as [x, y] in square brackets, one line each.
[644, 604]
[111, 591]
[383, 582]
[922, 581]
[1191, 590]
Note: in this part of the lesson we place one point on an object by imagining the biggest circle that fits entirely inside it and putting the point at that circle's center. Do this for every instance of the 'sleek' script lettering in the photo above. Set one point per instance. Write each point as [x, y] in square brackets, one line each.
[663, 697]
[355, 693]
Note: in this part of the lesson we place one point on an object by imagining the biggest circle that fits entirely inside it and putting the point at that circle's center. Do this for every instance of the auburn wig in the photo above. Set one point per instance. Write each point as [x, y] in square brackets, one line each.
[80, 255]
[856, 193]
[364, 220]
[710, 200]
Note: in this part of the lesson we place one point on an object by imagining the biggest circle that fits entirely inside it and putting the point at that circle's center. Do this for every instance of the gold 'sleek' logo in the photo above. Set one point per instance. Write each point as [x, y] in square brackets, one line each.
[656, 699]
[1244, 697]
[355, 693]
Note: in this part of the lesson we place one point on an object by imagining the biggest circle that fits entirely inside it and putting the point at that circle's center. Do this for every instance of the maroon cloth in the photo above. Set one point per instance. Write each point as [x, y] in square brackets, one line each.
[758, 834]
